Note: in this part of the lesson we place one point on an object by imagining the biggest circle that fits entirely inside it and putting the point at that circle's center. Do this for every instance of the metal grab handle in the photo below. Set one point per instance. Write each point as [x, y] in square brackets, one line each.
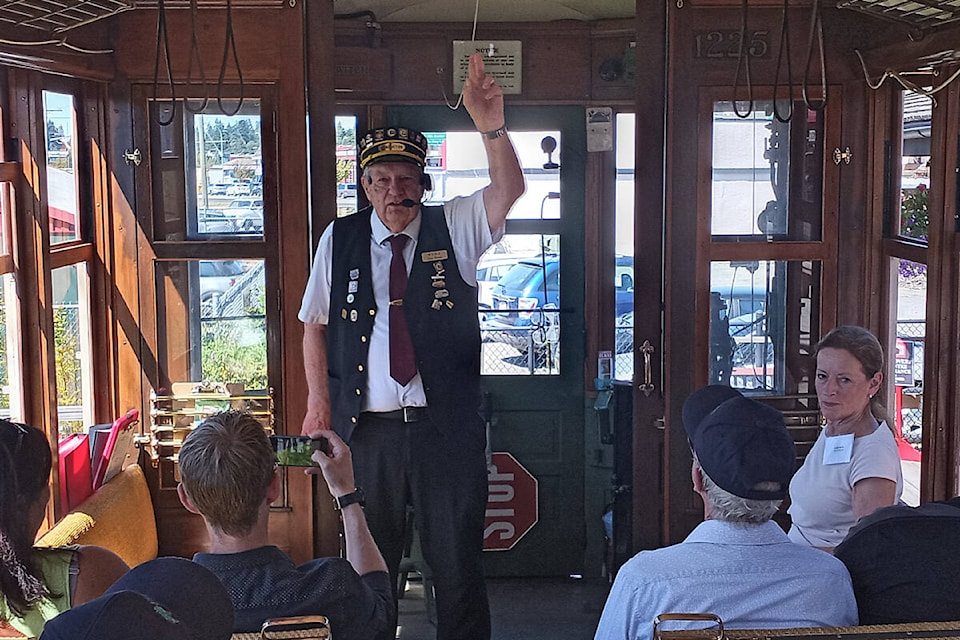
[704, 617]
[647, 387]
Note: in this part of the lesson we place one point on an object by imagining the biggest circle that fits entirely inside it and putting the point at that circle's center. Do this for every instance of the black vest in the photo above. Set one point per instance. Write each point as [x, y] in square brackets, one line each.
[441, 311]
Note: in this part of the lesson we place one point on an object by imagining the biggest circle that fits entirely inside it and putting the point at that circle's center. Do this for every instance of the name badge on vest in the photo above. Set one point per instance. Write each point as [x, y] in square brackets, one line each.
[434, 256]
[838, 449]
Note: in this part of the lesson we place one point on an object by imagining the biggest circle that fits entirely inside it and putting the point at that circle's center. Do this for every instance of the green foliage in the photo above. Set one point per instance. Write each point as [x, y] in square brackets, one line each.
[914, 223]
[224, 139]
[67, 347]
[235, 350]
[914, 218]
[345, 136]
[343, 169]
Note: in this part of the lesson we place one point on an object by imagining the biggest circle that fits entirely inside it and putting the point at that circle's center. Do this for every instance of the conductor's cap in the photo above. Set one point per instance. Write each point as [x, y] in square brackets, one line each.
[393, 144]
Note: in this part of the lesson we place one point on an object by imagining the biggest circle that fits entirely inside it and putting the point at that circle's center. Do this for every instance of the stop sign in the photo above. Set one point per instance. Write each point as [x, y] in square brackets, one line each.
[511, 503]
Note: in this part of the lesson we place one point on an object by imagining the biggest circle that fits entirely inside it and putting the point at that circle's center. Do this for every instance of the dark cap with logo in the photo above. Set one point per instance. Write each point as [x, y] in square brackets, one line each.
[393, 144]
[168, 598]
[740, 443]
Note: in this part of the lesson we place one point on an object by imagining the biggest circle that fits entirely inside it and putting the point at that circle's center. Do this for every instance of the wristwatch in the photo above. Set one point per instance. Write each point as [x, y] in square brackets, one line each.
[354, 497]
[496, 133]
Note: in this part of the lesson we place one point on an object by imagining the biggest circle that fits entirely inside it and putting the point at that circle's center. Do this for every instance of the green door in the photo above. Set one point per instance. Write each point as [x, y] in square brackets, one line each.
[532, 310]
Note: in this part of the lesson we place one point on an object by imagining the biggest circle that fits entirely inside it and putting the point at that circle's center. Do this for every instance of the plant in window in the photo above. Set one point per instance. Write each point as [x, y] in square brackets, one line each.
[914, 223]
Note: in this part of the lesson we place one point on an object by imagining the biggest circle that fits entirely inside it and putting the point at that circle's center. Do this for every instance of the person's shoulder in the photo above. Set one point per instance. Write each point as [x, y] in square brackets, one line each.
[97, 569]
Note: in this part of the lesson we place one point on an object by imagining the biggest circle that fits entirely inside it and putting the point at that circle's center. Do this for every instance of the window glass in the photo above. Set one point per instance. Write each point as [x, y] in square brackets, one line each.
[915, 167]
[224, 303]
[62, 184]
[519, 282]
[347, 178]
[907, 365]
[623, 274]
[457, 164]
[10, 378]
[753, 196]
[764, 317]
[216, 162]
[72, 347]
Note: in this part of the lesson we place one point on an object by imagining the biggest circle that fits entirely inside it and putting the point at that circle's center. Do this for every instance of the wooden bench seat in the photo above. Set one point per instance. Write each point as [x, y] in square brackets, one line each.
[905, 631]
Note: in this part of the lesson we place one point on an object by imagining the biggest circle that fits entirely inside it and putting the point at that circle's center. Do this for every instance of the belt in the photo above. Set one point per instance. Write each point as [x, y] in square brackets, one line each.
[404, 414]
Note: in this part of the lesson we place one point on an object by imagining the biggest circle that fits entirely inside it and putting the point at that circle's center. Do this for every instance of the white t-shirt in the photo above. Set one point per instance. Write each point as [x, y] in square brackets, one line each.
[821, 495]
[470, 236]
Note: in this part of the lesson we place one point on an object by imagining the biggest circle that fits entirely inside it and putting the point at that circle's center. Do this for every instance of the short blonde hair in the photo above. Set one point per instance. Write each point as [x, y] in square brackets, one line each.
[226, 467]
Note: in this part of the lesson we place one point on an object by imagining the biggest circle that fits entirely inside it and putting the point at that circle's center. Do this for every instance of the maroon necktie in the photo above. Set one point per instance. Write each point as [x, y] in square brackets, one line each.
[402, 365]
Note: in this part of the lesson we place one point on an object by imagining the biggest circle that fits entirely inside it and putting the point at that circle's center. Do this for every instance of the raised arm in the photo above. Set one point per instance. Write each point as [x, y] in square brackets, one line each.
[337, 469]
[315, 365]
[483, 98]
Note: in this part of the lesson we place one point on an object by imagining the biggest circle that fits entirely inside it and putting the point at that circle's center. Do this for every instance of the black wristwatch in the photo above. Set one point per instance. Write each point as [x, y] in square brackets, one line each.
[354, 497]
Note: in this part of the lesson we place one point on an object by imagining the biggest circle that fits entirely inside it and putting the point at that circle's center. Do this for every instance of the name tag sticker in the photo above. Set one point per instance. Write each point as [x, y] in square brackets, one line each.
[433, 256]
[838, 449]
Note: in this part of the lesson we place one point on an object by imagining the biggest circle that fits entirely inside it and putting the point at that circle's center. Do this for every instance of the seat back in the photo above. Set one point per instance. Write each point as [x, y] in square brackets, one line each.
[294, 627]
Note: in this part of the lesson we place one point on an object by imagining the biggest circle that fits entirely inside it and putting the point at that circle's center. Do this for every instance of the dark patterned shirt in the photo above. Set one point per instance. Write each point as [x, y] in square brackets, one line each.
[264, 583]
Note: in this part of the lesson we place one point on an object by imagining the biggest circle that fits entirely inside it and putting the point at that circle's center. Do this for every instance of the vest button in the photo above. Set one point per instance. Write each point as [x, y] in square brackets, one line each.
[373, 312]
[353, 419]
[359, 367]
[358, 391]
[363, 338]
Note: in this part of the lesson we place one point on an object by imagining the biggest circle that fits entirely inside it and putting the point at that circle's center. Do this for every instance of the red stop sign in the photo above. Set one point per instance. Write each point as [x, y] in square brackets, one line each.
[511, 503]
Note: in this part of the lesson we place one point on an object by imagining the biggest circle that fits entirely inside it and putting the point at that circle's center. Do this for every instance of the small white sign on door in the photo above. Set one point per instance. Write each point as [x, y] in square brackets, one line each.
[502, 59]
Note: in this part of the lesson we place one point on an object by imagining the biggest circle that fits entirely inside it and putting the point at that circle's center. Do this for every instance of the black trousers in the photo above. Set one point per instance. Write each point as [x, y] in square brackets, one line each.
[443, 475]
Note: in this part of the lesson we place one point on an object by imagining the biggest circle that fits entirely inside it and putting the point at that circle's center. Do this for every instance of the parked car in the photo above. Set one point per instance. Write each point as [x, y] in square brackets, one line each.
[346, 195]
[216, 277]
[744, 309]
[246, 214]
[214, 221]
[239, 189]
[489, 272]
[531, 288]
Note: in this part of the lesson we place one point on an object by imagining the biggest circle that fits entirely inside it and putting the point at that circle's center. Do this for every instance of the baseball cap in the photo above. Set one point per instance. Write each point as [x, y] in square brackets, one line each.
[740, 442]
[393, 144]
[164, 598]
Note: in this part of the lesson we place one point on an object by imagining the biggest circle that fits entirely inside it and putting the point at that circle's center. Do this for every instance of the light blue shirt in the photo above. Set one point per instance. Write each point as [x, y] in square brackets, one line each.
[751, 576]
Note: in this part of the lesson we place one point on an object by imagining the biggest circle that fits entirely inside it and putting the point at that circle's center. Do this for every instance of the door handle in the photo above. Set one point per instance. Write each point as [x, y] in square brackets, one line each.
[647, 385]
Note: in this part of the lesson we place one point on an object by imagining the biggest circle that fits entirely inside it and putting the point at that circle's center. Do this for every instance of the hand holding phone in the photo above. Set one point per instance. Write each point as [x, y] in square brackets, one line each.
[296, 451]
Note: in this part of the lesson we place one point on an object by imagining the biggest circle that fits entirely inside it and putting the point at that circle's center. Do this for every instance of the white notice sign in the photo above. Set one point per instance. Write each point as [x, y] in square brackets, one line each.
[502, 59]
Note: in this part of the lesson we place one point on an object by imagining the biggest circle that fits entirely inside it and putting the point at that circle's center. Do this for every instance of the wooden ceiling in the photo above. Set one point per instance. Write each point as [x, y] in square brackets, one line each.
[50, 18]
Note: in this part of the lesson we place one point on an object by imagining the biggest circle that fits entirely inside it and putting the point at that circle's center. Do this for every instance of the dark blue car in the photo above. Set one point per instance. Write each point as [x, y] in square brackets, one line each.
[529, 295]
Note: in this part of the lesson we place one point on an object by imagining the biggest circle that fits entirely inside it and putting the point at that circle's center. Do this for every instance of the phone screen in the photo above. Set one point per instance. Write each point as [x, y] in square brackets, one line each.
[295, 451]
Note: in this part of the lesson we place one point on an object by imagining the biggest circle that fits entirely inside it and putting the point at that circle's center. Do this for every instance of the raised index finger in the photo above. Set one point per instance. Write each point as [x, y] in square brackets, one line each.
[477, 70]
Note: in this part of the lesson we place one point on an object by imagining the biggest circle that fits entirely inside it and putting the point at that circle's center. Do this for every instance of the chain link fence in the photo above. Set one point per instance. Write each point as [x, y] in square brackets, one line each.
[911, 412]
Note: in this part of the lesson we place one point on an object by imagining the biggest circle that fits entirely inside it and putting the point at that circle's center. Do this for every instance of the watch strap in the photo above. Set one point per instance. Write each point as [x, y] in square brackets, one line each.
[496, 133]
[354, 497]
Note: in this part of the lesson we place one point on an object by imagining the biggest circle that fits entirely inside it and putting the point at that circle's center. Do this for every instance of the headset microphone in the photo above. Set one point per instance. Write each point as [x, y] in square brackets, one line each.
[407, 202]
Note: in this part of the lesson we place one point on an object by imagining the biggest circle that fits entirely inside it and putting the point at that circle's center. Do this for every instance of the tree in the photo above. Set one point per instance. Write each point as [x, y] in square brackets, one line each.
[915, 224]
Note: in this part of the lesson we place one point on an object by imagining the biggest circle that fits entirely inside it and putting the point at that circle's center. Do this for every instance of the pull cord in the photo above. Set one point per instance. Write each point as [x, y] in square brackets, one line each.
[164, 41]
[229, 44]
[816, 30]
[784, 46]
[195, 53]
[743, 62]
[473, 37]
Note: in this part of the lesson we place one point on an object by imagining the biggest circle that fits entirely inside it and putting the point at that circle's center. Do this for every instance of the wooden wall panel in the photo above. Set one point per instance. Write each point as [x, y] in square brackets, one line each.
[560, 61]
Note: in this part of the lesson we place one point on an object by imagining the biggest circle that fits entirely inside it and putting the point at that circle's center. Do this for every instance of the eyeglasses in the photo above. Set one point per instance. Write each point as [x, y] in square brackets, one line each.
[21, 431]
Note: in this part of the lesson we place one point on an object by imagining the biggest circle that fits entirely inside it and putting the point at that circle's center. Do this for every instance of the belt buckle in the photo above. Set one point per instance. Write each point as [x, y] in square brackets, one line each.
[409, 414]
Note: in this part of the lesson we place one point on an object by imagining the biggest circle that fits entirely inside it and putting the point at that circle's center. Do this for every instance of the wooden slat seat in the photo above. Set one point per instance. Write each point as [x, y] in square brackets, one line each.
[905, 631]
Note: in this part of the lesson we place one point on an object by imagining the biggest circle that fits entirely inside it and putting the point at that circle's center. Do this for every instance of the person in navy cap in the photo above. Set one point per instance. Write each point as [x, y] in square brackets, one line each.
[737, 564]
[162, 599]
[392, 350]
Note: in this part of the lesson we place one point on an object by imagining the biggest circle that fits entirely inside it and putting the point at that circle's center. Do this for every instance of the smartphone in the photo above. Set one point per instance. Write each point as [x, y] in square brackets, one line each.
[295, 451]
